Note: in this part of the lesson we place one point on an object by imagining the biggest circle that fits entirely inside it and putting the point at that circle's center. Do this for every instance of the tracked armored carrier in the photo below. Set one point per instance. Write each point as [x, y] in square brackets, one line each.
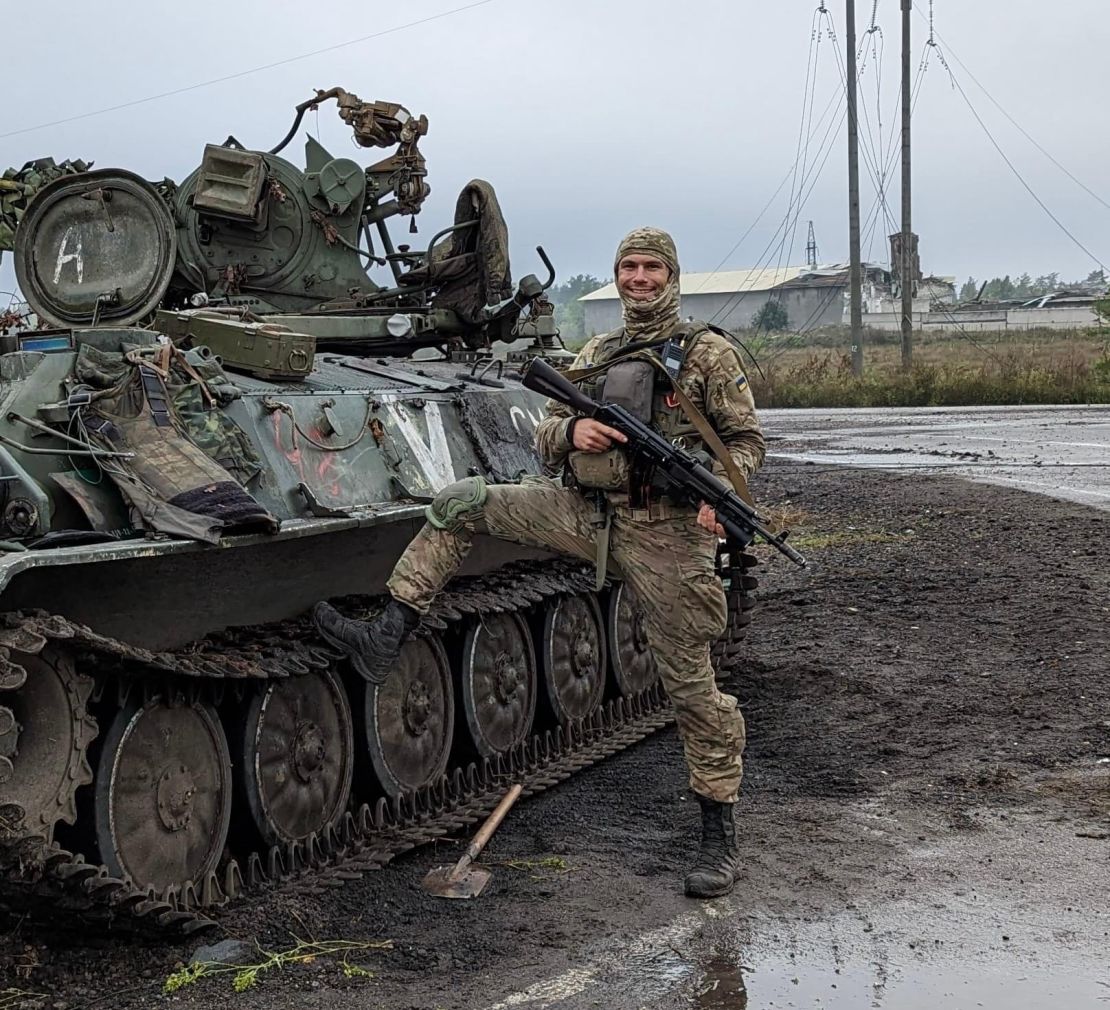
[216, 419]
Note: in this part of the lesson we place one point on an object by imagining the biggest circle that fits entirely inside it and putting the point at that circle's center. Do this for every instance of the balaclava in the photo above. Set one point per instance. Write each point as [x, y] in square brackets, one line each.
[645, 320]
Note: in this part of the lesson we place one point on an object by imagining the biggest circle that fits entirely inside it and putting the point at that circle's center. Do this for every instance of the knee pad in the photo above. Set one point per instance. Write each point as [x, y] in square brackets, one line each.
[458, 504]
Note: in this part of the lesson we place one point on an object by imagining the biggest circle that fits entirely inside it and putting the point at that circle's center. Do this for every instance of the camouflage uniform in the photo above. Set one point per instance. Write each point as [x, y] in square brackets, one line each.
[666, 557]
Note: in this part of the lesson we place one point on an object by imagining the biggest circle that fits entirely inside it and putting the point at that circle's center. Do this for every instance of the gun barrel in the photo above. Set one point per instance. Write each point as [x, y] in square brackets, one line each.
[541, 378]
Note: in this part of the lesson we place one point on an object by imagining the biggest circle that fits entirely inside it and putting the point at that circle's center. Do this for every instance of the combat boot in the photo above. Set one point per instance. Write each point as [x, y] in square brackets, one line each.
[372, 646]
[718, 862]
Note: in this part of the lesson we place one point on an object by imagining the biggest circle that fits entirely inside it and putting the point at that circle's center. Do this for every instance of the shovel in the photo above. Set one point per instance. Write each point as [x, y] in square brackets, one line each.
[464, 880]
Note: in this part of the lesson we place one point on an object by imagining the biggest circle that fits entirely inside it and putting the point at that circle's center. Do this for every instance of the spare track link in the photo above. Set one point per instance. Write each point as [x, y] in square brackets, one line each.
[41, 881]
[740, 599]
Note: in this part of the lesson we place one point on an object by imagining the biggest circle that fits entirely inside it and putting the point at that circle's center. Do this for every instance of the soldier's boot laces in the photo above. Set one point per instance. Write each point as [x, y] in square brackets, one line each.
[718, 862]
[372, 646]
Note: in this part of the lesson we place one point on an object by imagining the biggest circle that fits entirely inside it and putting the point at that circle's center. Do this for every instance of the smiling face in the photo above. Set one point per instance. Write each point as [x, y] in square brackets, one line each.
[641, 277]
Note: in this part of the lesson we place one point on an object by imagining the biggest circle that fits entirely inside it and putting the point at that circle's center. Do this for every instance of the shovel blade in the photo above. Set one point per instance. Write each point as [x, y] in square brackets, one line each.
[444, 882]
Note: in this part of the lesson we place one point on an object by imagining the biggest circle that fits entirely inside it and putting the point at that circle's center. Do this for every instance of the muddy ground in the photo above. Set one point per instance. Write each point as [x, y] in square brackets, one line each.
[929, 728]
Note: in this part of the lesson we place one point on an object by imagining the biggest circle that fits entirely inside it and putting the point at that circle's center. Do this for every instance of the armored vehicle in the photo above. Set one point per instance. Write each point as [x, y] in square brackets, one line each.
[216, 419]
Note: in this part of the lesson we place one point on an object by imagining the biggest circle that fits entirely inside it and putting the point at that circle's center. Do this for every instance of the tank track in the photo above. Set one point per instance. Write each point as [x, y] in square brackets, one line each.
[46, 882]
[41, 880]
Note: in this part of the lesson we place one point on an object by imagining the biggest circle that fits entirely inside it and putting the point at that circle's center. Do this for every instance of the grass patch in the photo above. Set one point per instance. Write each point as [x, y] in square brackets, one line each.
[785, 516]
[998, 369]
[246, 976]
[805, 535]
[537, 869]
[816, 540]
[18, 999]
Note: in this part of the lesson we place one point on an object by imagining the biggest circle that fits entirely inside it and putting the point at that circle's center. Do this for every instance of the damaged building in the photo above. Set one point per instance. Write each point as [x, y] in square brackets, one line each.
[812, 296]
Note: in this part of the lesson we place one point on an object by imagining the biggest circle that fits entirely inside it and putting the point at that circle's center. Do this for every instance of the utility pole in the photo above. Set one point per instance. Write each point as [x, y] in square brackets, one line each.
[855, 278]
[906, 267]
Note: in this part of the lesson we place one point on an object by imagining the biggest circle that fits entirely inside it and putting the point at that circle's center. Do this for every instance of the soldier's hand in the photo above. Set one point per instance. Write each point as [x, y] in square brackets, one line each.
[707, 519]
[593, 436]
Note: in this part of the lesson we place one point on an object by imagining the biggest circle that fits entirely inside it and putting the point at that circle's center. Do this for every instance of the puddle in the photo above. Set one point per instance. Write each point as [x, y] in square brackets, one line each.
[867, 961]
[835, 965]
[964, 953]
[1027, 448]
[929, 985]
[721, 987]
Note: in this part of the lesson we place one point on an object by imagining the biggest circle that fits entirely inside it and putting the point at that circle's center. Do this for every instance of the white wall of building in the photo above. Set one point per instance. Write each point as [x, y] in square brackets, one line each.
[806, 308]
[1064, 317]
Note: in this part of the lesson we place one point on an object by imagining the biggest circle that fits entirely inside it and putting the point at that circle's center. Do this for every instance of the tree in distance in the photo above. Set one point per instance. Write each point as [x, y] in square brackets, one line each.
[570, 313]
[772, 315]
[1004, 288]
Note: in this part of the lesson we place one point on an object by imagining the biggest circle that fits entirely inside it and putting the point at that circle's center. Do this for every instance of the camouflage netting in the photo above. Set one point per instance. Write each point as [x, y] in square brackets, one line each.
[19, 186]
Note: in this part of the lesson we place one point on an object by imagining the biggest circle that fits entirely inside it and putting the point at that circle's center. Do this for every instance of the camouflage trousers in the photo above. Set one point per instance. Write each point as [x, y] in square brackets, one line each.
[668, 560]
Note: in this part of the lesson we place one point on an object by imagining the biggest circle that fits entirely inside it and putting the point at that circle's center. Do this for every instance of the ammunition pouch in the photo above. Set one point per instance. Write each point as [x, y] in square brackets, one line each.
[604, 471]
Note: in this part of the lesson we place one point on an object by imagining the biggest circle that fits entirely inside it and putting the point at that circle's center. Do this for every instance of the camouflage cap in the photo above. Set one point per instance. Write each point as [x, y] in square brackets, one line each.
[647, 319]
[648, 241]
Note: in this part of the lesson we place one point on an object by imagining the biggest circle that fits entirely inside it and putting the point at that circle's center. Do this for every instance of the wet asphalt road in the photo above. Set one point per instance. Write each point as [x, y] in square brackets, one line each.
[1059, 451]
[952, 941]
[960, 936]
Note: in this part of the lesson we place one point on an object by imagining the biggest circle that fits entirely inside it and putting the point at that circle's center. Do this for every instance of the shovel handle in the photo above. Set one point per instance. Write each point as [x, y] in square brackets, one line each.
[491, 825]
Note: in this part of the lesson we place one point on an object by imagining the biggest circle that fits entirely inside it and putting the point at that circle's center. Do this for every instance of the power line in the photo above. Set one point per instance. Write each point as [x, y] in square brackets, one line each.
[809, 94]
[872, 221]
[1020, 178]
[824, 150]
[1082, 185]
[965, 334]
[834, 99]
[791, 171]
[245, 73]
[814, 175]
[798, 202]
[870, 157]
[763, 256]
[740, 241]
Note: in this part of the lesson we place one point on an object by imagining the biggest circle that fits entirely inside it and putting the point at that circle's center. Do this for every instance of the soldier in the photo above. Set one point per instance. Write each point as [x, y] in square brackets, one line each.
[665, 549]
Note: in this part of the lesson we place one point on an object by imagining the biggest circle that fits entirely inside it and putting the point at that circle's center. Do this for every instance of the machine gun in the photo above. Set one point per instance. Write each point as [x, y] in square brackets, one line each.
[686, 477]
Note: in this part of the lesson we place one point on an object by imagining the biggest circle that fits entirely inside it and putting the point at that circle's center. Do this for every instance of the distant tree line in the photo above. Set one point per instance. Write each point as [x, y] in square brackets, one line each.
[1003, 288]
[570, 313]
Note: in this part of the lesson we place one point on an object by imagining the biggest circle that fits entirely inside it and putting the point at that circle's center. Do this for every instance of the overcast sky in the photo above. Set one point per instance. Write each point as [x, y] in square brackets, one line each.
[592, 118]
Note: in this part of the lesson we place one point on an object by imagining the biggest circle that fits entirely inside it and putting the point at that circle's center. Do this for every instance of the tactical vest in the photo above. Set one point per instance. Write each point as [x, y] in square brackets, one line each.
[667, 417]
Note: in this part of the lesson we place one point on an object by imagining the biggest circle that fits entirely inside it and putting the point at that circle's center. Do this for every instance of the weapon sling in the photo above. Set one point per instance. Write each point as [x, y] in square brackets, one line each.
[695, 416]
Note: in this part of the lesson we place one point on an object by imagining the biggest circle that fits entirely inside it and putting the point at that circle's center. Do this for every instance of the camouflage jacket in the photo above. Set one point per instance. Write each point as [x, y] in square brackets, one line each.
[712, 376]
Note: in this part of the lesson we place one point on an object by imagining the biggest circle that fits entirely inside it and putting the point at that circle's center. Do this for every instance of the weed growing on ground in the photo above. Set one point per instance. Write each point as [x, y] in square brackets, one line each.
[16, 999]
[806, 536]
[816, 541]
[785, 516]
[554, 863]
[538, 869]
[246, 976]
[998, 369]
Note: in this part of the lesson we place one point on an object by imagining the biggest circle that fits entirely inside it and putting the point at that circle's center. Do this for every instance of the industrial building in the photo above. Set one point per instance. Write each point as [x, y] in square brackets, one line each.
[812, 296]
[731, 298]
